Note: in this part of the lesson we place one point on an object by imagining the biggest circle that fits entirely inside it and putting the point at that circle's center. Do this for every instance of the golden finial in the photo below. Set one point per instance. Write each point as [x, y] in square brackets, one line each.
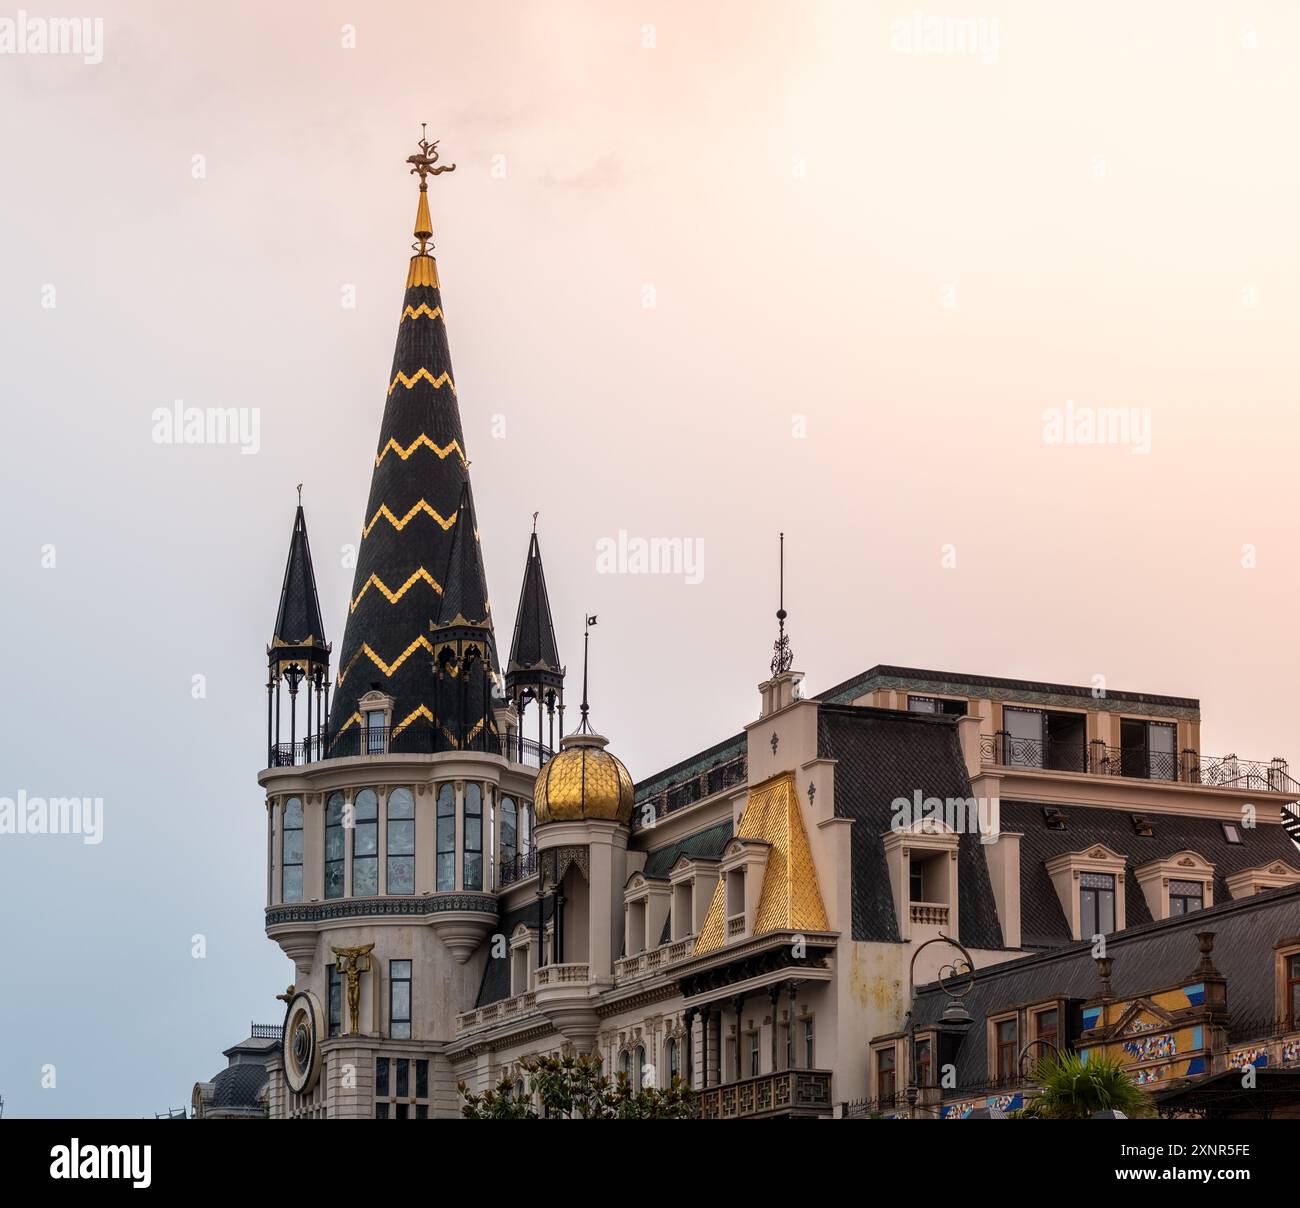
[423, 165]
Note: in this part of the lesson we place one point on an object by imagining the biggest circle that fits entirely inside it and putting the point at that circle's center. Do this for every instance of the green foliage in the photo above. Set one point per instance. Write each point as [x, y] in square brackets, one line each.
[1073, 1090]
[573, 1088]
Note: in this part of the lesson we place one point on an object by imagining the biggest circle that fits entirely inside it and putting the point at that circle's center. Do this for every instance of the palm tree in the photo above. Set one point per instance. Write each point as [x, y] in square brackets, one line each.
[1073, 1089]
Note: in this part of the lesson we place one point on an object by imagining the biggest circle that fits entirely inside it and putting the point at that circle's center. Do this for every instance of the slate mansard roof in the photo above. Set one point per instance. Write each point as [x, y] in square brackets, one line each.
[885, 754]
[1042, 921]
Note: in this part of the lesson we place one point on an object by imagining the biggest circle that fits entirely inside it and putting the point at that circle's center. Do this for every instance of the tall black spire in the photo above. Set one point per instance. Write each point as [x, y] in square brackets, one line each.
[534, 672]
[298, 652]
[410, 526]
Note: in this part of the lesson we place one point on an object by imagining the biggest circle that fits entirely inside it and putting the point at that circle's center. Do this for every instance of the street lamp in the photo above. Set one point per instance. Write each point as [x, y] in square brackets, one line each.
[954, 1015]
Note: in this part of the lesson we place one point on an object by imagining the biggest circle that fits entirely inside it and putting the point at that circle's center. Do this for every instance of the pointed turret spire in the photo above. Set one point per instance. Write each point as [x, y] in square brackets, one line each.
[298, 651]
[414, 511]
[534, 672]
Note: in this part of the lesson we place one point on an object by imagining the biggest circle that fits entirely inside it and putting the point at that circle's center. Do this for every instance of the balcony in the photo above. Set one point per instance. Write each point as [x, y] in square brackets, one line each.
[687, 792]
[556, 975]
[415, 739]
[657, 958]
[497, 1012]
[1096, 758]
[520, 868]
[790, 1093]
[930, 914]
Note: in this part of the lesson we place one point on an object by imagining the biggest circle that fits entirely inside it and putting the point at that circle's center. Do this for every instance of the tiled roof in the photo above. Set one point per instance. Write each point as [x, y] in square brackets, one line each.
[791, 899]
[1042, 921]
[885, 754]
[706, 844]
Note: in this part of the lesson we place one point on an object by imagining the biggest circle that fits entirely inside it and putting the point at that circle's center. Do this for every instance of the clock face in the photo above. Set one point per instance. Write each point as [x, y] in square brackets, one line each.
[303, 1030]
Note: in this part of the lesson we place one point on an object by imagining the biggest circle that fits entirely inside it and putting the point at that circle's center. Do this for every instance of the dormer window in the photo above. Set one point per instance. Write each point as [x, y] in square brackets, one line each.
[1096, 904]
[1090, 887]
[1177, 885]
[375, 732]
[1185, 896]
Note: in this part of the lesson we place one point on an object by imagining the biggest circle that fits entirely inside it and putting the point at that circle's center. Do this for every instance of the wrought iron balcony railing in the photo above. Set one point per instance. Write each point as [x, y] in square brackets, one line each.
[1138, 762]
[516, 869]
[421, 739]
[696, 788]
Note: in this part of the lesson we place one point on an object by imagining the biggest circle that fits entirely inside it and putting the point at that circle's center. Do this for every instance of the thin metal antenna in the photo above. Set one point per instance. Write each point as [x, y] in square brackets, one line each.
[782, 657]
[588, 622]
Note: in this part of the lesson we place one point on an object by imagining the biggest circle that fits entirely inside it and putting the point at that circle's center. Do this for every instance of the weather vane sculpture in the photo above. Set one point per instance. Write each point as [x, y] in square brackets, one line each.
[424, 165]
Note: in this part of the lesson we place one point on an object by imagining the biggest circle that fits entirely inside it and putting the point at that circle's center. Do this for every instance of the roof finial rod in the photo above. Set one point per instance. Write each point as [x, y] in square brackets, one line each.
[535, 515]
[585, 726]
[423, 166]
[782, 657]
[300, 494]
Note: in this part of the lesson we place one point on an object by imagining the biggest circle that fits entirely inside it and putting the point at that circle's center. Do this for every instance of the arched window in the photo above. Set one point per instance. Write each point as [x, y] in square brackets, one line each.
[639, 1080]
[674, 1060]
[625, 1063]
[509, 833]
[446, 839]
[365, 845]
[473, 871]
[334, 846]
[291, 852]
[400, 872]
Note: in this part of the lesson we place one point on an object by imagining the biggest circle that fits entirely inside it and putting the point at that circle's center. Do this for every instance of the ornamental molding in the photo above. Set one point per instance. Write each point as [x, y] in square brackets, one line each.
[321, 912]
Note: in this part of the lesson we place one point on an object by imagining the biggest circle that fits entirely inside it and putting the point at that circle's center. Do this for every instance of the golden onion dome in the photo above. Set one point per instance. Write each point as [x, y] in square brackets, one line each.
[584, 781]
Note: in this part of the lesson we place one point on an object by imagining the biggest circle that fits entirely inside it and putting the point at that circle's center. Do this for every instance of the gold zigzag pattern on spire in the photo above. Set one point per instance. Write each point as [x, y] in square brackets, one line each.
[386, 668]
[443, 379]
[422, 439]
[422, 711]
[414, 312]
[354, 720]
[394, 596]
[399, 525]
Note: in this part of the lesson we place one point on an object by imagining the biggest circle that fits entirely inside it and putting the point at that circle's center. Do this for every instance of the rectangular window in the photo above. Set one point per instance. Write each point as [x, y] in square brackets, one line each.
[753, 1054]
[399, 870]
[421, 1111]
[446, 881]
[1185, 896]
[923, 1062]
[403, 1078]
[403, 1111]
[336, 1001]
[375, 732]
[381, 1077]
[1046, 1029]
[1096, 904]
[334, 846]
[1147, 749]
[808, 1044]
[915, 879]
[365, 844]
[1007, 1044]
[473, 872]
[933, 704]
[421, 1079]
[291, 852]
[381, 1111]
[1022, 742]
[399, 1007]
[886, 1086]
[1293, 990]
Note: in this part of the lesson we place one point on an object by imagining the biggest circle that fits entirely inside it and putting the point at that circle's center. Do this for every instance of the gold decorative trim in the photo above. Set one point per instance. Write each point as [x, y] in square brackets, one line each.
[422, 506]
[422, 439]
[443, 379]
[386, 668]
[422, 711]
[414, 312]
[423, 271]
[394, 596]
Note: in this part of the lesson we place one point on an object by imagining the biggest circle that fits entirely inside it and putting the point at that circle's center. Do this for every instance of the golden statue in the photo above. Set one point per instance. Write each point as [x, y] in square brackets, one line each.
[352, 963]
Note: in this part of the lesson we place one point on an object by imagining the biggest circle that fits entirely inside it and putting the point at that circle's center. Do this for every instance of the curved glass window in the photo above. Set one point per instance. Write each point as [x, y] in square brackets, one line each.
[365, 844]
[291, 852]
[334, 846]
[400, 870]
[509, 833]
[525, 827]
[446, 839]
[473, 871]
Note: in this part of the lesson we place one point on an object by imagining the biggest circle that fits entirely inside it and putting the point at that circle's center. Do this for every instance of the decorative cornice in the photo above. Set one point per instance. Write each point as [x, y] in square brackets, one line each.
[351, 908]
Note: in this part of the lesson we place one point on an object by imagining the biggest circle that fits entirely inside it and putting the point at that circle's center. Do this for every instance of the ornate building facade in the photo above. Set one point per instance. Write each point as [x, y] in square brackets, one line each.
[458, 890]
